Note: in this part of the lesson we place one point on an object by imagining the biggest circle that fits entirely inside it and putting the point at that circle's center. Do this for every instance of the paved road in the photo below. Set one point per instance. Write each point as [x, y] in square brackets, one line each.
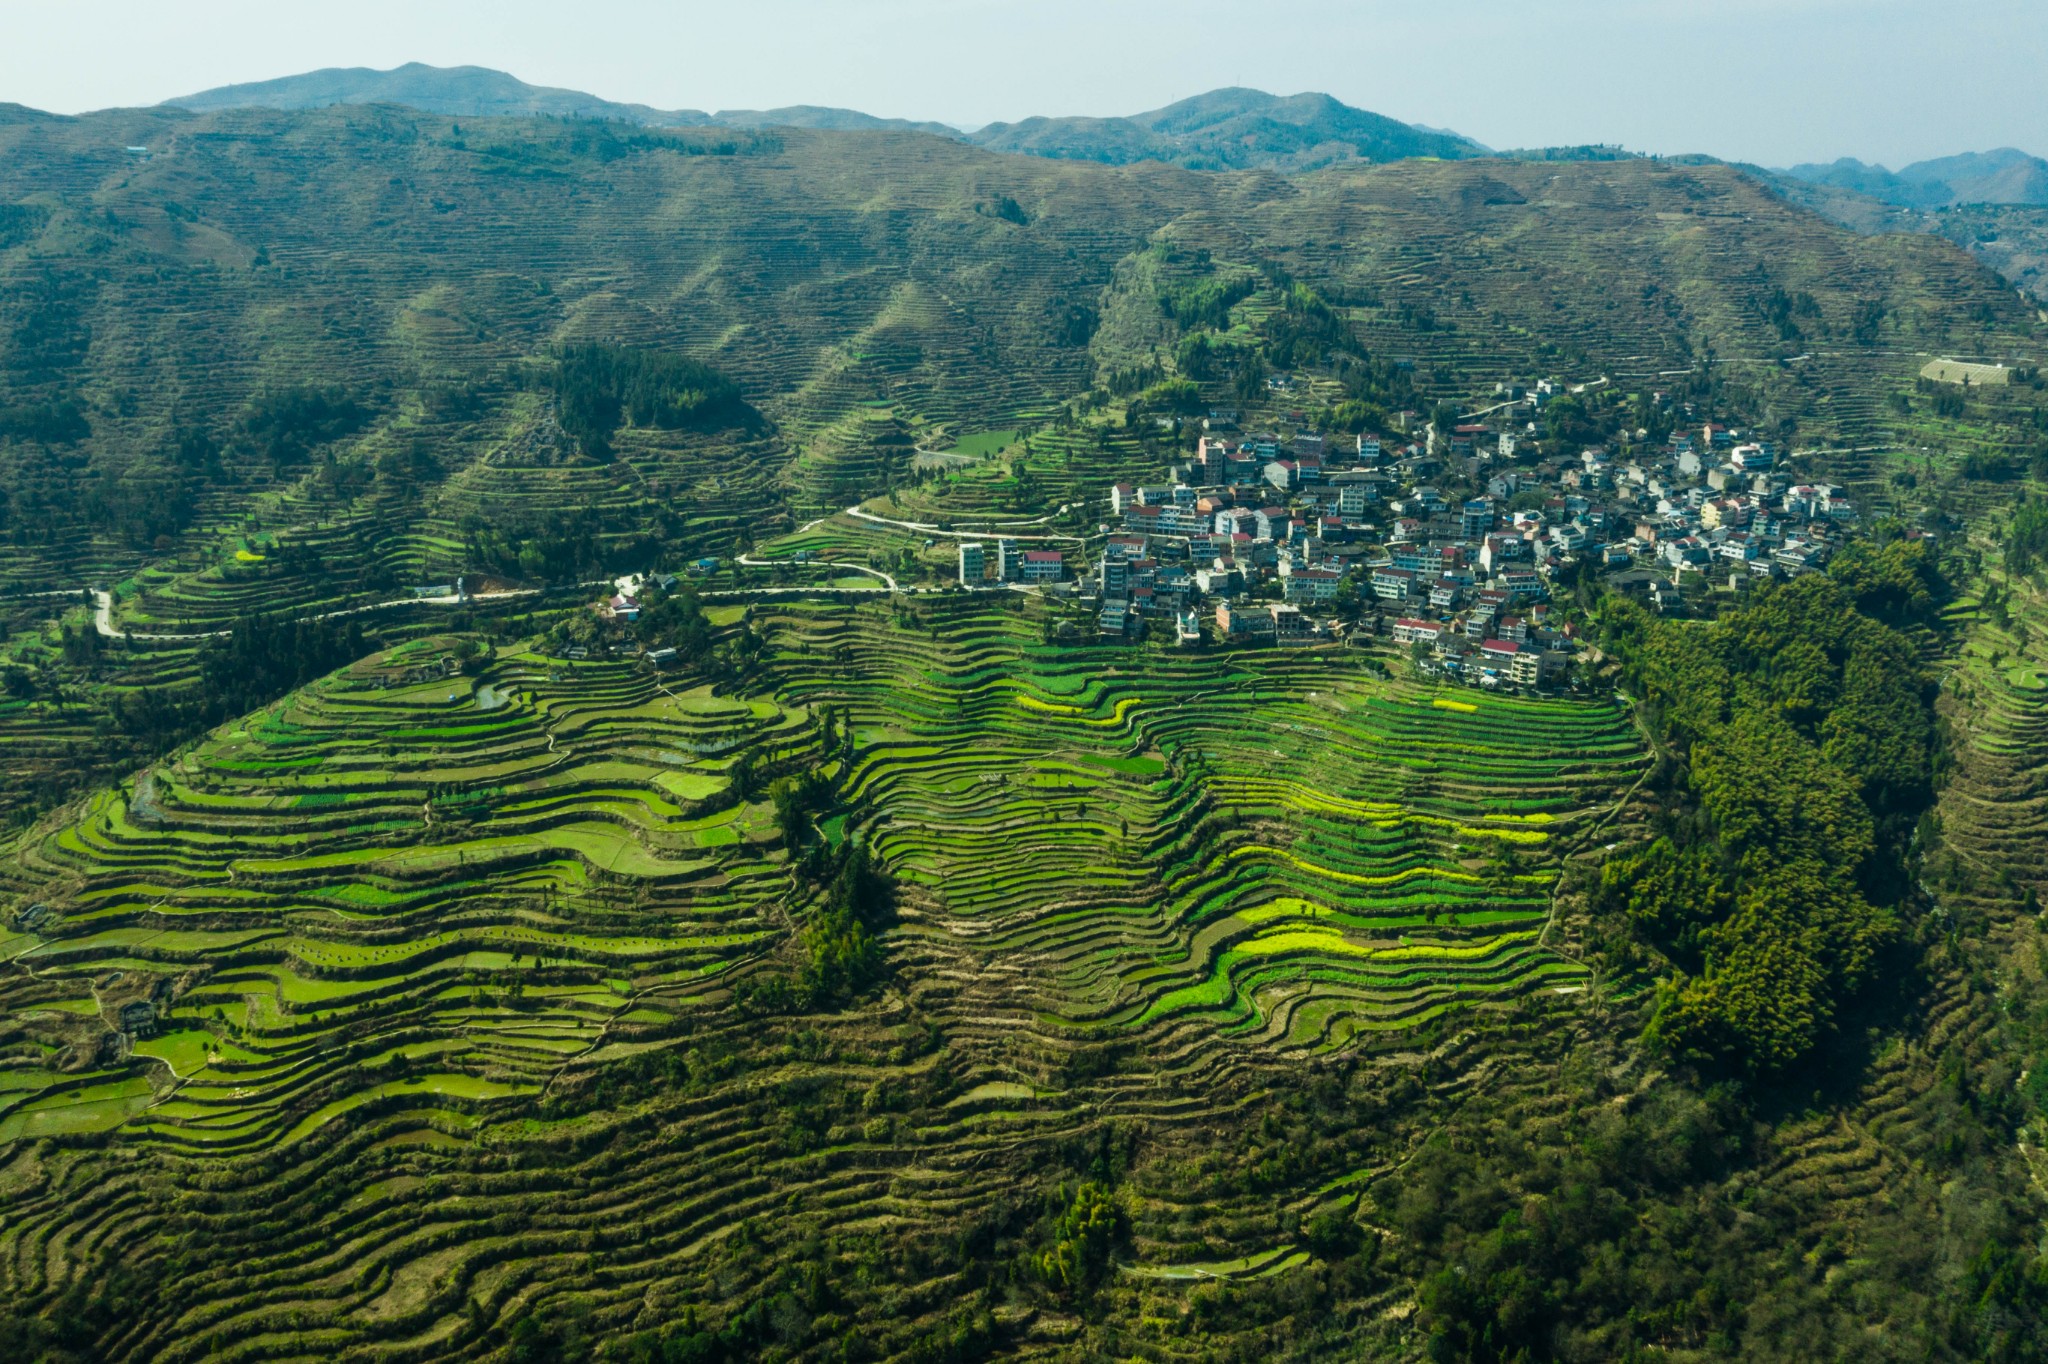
[103, 611]
[103, 601]
[889, 583]
[927, 528]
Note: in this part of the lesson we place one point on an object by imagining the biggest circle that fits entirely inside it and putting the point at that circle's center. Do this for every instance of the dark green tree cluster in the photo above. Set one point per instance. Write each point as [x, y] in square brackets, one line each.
[1206, 302]
[1305, 331]
[45, 321]
[565, 544]
[599, 386]
[1173, 396]
[1807, 739]
[1198, 357]
[1892, 578]
[1786, 311]
[1006, 208]
[2026, 542]
[283, 428]
[1073, 322]
[46, 491]
[261, 660]
[842, 939]
[258, 661]
[797, 800]
[1088, 1230]
[54, 423]
[674, 620]
[842, 931]
[146, 498]
[1644, 1225]
[68, 1330]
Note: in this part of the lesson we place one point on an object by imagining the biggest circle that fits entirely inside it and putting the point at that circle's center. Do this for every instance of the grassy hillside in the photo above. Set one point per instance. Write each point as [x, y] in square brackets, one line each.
[2011, 238]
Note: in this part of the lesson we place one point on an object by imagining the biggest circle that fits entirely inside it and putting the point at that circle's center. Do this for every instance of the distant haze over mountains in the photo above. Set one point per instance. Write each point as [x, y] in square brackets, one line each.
[1228, 129]
[2005, 176]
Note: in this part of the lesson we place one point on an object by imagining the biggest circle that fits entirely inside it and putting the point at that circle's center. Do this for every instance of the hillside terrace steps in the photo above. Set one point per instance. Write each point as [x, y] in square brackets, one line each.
[1118, 738]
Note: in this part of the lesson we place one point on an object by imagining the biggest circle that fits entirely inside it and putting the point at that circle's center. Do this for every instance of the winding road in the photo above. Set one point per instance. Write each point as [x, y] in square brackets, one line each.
[927, 528]
[103, 600]
[103, 611]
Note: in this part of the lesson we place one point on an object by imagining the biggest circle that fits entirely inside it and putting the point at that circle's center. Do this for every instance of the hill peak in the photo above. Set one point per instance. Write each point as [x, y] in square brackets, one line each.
[461, 91]
[1233, 128]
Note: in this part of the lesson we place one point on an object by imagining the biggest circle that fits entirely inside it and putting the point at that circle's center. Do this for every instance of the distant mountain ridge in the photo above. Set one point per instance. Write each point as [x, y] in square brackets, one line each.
[1229, 129]
[1234, 128]
[480, 92]
[2004, 176]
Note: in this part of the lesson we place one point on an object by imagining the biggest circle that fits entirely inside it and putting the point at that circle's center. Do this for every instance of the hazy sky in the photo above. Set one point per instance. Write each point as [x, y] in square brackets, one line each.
[1773, 81]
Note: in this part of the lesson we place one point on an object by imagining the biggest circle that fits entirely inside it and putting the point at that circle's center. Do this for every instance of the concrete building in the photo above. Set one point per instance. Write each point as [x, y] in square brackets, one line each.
[1042, 566]
[1290, 626]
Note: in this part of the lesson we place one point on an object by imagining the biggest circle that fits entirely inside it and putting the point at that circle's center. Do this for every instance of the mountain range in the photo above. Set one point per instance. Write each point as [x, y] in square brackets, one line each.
[479, 92]
[2004, 176]
[1229, 129]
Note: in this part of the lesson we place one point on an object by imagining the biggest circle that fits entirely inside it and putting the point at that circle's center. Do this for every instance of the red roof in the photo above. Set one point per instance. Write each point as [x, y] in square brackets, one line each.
[1041, 556]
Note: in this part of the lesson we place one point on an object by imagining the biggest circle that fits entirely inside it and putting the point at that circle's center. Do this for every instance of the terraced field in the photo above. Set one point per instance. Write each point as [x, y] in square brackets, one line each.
[387, 927]
[372, 893]
[1274, 846]
[1995, 693]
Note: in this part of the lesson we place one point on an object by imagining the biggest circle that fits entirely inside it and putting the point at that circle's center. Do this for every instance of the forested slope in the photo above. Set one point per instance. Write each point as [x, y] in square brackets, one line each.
[408, 264]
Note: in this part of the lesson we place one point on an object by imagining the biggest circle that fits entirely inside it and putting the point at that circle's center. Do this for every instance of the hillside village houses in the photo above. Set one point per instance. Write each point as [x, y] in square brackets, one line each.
[1280, 540]
[1009, 564]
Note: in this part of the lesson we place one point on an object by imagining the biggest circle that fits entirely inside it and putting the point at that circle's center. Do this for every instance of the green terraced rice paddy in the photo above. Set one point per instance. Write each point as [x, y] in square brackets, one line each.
[387, 926]
[1269, 845]
[303, 910]
[1275, 849]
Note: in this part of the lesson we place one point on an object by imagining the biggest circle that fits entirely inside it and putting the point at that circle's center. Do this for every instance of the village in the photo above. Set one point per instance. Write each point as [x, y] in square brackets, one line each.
[1467, 546]
[1443, 541]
